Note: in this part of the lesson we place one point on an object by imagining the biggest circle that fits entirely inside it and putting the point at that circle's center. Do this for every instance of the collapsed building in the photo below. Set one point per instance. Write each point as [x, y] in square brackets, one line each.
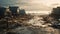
[12, 10]
[56, 17]
[16, 19]
[56, 13]
[6, 16]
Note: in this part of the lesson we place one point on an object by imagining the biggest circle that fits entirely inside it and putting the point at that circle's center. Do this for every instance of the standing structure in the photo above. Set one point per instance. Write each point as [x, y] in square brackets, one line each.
[2, 11]
[56, 13]
[13, 10]
[22, 12]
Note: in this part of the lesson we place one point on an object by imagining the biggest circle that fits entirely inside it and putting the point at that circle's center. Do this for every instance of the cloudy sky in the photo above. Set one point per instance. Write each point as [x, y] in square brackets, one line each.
[32, 4]
[40, 4]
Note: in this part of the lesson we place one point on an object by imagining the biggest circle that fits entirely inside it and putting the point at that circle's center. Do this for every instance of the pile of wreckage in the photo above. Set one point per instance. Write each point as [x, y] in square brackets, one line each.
[53, 18]
[12, 17]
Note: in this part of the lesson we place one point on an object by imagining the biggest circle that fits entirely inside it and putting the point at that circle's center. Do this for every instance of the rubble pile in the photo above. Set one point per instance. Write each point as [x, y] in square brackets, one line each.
[37, 21]
[54, 17]
[20, 23]
[11, 19]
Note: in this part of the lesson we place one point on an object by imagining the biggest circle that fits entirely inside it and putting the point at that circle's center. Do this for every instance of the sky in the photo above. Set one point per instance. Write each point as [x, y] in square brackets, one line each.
[47, 2]
[41, 4]
[32, 4]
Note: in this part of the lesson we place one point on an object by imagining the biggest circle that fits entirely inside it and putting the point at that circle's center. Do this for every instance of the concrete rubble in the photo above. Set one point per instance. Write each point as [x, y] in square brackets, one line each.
[29, 24]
